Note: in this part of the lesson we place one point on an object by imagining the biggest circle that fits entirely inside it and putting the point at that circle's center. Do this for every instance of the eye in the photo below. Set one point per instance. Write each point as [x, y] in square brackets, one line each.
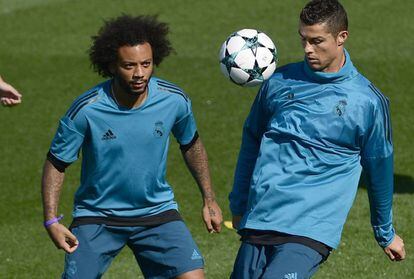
[316, 41]
[146, 63]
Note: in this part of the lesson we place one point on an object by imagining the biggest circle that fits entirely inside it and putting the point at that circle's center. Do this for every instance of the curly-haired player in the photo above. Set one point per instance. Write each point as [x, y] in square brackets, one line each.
[122, 127]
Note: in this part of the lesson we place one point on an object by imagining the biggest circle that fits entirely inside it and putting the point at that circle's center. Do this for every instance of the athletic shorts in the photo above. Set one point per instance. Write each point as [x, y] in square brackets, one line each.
[284, 261]
[163, 251]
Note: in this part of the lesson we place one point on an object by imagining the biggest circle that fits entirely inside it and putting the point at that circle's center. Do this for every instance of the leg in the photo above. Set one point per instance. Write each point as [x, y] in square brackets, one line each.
[250, 261]
[98, 245]
[167, 251]
[292, 261]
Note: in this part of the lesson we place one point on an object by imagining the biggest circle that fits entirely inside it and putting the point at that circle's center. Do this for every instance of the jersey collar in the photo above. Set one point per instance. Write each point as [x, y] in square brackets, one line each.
[348, 71]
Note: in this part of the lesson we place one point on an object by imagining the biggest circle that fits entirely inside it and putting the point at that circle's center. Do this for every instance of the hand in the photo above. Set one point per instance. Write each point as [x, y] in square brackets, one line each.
[395, 251]
[62, 237]
[9, 96]
[212, 216]
[236, 221]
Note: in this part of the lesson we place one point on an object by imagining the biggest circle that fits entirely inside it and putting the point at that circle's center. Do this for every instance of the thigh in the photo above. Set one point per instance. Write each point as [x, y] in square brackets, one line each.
[292, 261]
[98, 245]
[250, 261]
[166, 251]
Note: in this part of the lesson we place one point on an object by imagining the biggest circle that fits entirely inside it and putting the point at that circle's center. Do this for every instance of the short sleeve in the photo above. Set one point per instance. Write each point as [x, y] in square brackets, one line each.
[68, 139]
[185, 129]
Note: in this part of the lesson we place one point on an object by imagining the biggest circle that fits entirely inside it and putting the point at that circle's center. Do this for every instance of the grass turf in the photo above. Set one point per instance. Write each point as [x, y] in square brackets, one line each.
[43, 53]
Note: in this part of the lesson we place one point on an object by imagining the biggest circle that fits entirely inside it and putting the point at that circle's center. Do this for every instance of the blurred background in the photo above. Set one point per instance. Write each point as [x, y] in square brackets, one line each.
[43, 53]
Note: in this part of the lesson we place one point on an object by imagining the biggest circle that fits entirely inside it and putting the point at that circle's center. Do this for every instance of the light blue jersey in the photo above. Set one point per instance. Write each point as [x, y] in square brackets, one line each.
[304, 143]
[124, 151]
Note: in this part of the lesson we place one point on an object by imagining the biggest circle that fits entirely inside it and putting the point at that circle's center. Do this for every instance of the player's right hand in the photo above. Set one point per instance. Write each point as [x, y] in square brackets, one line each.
[395, 251]
[62, 237]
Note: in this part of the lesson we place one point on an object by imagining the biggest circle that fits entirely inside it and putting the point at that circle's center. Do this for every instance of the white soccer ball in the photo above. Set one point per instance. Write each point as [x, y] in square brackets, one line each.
[248, 57]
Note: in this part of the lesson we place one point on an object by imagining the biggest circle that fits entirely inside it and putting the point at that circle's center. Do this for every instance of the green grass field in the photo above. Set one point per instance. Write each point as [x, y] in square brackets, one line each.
[43, 48]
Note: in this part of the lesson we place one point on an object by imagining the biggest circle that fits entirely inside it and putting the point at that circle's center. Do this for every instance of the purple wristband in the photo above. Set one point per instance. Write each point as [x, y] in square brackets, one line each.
[52, 221]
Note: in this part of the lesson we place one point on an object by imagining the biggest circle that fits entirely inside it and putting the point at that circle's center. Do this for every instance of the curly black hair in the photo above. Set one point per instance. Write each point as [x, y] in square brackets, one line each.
[325, 11]
[127, 30]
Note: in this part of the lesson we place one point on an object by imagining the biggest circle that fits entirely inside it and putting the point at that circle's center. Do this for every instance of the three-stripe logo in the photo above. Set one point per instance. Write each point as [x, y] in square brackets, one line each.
[108, 135]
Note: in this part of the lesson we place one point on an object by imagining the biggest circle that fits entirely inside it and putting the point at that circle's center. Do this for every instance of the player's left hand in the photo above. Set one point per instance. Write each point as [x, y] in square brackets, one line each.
[395, 251]
[212, 216]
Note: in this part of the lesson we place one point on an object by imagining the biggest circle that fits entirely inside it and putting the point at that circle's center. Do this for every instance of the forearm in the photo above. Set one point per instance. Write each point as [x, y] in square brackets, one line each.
[52, 182]
[380, 192]
[196, 160]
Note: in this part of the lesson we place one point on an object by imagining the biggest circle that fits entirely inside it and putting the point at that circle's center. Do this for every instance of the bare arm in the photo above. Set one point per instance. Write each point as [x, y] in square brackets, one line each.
[197, 162]
[52, 182]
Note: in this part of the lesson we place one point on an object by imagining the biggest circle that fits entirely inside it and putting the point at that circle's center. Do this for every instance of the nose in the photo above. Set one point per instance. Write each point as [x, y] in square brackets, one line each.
[138, 72]
[307, 47]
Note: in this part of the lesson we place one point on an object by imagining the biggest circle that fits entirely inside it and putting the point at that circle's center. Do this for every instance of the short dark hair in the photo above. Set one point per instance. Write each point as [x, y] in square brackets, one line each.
[330, 12]
[127, 30]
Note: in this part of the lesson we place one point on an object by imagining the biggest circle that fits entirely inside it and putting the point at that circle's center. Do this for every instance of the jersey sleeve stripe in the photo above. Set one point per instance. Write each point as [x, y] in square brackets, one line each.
[81, 105]
[385, 110]
[172, 89]
[80, 100]
[160, 83]
[169, 83]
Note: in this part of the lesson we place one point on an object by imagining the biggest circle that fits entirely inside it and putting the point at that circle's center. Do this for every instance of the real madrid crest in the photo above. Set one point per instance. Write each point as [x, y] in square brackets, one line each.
[158, 129]
[340, 107]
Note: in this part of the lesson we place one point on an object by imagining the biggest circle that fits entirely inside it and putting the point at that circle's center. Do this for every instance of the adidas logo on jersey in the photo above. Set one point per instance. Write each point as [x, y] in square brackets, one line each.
[108, 135]
[196, 255]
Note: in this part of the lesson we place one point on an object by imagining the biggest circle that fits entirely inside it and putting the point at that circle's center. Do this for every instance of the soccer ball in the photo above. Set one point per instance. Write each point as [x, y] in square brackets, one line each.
[248, 57]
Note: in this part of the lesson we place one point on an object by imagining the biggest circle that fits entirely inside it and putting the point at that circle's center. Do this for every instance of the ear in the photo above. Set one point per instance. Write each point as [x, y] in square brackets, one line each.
[341, 38]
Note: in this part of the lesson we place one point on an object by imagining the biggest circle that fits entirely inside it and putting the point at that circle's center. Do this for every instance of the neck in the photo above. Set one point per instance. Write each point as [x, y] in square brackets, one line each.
[126, 99]
[337, 64]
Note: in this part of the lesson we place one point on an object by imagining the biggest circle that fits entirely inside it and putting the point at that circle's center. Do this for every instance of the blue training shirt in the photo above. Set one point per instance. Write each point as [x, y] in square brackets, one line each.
[304, 143]
[124, 151]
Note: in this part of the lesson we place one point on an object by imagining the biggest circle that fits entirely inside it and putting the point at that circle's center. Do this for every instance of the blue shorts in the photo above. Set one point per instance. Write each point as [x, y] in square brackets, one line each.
[284, 261]
[163, 251]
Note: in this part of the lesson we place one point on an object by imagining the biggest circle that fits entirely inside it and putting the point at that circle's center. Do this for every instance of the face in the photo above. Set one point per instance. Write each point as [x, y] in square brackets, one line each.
[134, 68]
[323, 50]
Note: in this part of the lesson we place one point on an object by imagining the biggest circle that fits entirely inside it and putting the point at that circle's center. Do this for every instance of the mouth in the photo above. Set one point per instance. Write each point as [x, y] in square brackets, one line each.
[312, 59]
[138, 84]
